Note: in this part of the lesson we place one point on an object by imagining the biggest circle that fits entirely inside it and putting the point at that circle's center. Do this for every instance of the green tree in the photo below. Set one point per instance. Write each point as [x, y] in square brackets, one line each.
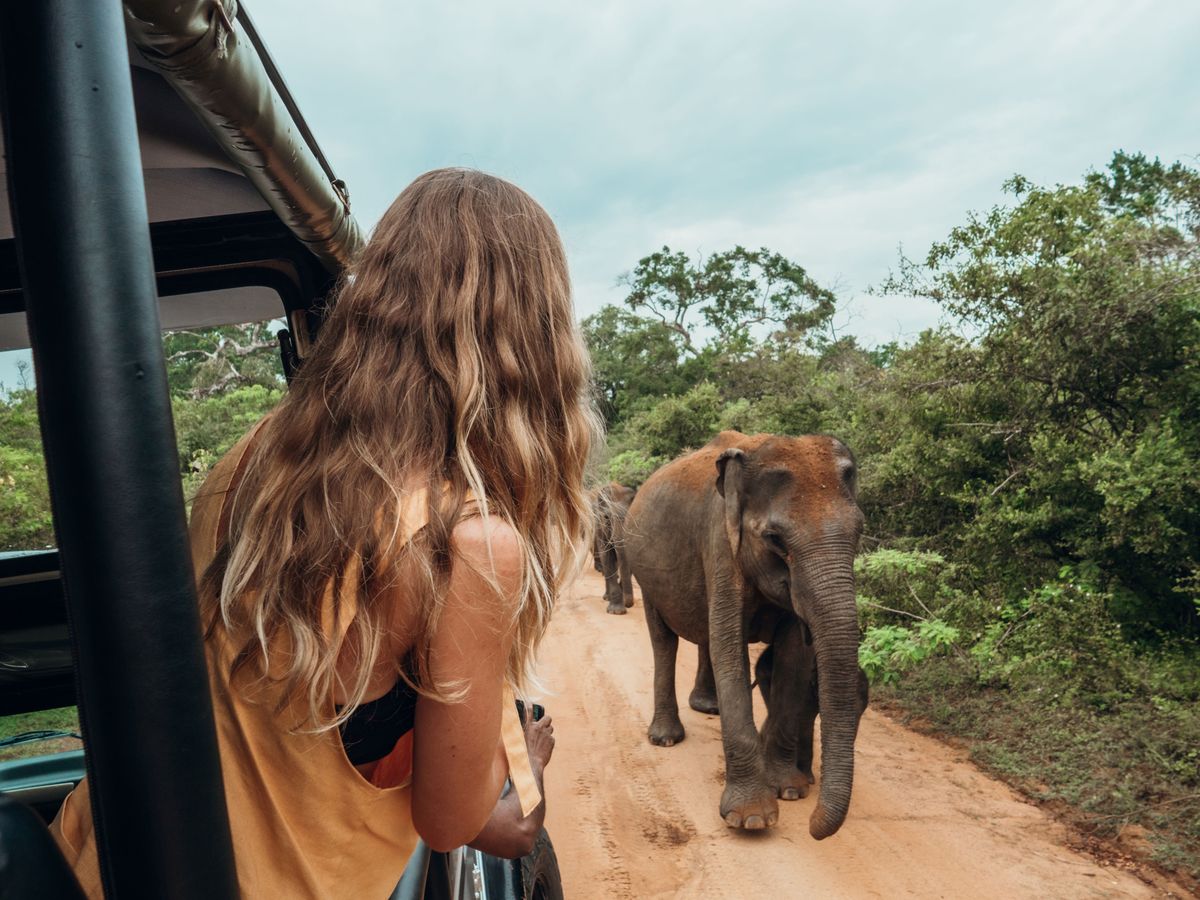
[689, 322]
[207, 362]
[1086, 300]
[1087, 296]
[633, 359]
[25, 520]
[736, 296]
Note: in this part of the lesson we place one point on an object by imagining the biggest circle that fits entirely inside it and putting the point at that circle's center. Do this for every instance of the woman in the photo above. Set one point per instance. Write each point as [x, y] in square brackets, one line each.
[380, 555]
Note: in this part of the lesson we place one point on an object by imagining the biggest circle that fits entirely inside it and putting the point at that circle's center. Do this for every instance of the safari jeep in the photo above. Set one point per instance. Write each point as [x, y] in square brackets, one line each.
[159, 177]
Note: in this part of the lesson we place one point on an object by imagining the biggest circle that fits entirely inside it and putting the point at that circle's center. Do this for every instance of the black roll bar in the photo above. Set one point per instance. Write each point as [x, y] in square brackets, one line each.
[79, 211]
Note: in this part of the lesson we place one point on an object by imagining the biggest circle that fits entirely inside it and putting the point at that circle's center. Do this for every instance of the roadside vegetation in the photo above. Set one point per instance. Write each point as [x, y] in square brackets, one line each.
[1030, 576]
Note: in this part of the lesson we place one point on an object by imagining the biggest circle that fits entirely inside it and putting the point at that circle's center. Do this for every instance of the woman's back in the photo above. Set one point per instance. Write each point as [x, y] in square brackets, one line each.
[338, 547]
[290, 843]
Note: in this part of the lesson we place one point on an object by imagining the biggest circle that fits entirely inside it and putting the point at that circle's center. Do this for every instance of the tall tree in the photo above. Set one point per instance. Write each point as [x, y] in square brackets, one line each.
[211, 361]
[686, 322]
[737, 296]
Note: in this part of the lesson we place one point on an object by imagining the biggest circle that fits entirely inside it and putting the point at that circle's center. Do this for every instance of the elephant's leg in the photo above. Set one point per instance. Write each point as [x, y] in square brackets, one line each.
[665, 728]
[748, 801]
[782, 732]
[612, 581]
[599, 538]
[704, 692]
[625, 575]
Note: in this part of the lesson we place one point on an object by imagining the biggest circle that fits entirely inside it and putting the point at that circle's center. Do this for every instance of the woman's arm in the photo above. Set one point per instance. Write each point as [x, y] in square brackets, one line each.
[508, 834]
[459, 764]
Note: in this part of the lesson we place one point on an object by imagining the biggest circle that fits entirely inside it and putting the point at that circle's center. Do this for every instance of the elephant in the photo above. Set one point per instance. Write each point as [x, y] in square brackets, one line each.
[610, 504]
[753, 538]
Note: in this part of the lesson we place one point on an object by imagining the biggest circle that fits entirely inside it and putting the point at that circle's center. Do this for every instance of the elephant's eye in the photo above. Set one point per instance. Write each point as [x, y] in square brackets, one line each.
[775, 542]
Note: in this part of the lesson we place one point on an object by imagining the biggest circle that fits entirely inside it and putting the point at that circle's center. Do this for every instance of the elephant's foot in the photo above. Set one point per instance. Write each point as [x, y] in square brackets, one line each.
[629, 601]
[789, 782]
[750, 806]
[615, 609]
[666, 731]
[703, 701]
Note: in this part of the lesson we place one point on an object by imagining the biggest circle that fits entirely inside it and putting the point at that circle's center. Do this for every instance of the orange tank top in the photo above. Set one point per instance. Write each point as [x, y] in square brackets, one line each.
[305, 822]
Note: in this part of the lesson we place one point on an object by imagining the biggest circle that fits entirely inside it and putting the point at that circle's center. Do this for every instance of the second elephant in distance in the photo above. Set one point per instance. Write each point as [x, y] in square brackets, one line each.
[610, 505]
[752, 538]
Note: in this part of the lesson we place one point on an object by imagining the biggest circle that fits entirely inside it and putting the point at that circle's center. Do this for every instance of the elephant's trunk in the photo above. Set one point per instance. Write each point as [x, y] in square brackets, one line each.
[834, 623]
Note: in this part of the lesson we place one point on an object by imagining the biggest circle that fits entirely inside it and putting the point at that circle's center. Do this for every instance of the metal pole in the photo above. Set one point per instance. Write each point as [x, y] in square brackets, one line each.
[79, 211]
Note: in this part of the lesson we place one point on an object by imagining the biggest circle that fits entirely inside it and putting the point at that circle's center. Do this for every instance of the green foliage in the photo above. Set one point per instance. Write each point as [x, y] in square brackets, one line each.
[888, 650]
[215, 423]
[734, 295]
[676, 423]
[25, 521]
[635, 359]
[632, 467]
[905, 598]
[1061, 436]
[213, 361]
[895, 573]
[222, 381]
[1061, 635]
[1085, 295]
[689, 322]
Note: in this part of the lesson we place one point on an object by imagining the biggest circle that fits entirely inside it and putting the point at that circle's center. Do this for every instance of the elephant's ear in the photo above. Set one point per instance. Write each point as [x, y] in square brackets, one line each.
[731, 466]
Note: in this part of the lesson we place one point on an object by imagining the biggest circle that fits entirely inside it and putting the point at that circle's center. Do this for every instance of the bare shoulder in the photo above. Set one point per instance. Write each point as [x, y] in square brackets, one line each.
[491, 550]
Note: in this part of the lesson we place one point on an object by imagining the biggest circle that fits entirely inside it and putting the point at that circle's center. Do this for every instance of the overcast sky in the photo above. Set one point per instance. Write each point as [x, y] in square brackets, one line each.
[833, 133]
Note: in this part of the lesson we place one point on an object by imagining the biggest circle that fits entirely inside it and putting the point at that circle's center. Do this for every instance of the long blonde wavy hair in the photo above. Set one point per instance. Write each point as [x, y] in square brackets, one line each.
[450, 362]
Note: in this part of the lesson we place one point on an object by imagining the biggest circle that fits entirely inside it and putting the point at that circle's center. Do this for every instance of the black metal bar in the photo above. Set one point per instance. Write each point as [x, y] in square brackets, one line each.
[79, 210]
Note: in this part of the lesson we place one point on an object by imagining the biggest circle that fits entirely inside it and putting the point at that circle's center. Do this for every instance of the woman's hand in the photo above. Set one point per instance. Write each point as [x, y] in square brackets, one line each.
[458, 771]
[539, 740]
[508, 834]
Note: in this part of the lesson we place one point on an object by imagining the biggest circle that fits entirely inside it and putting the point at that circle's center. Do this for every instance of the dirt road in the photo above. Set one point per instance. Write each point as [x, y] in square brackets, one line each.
[633, 820]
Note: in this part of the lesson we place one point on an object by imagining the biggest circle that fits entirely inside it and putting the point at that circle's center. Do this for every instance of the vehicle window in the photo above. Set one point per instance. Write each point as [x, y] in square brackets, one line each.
[39, 733]
[222, 379]
[25, 522]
